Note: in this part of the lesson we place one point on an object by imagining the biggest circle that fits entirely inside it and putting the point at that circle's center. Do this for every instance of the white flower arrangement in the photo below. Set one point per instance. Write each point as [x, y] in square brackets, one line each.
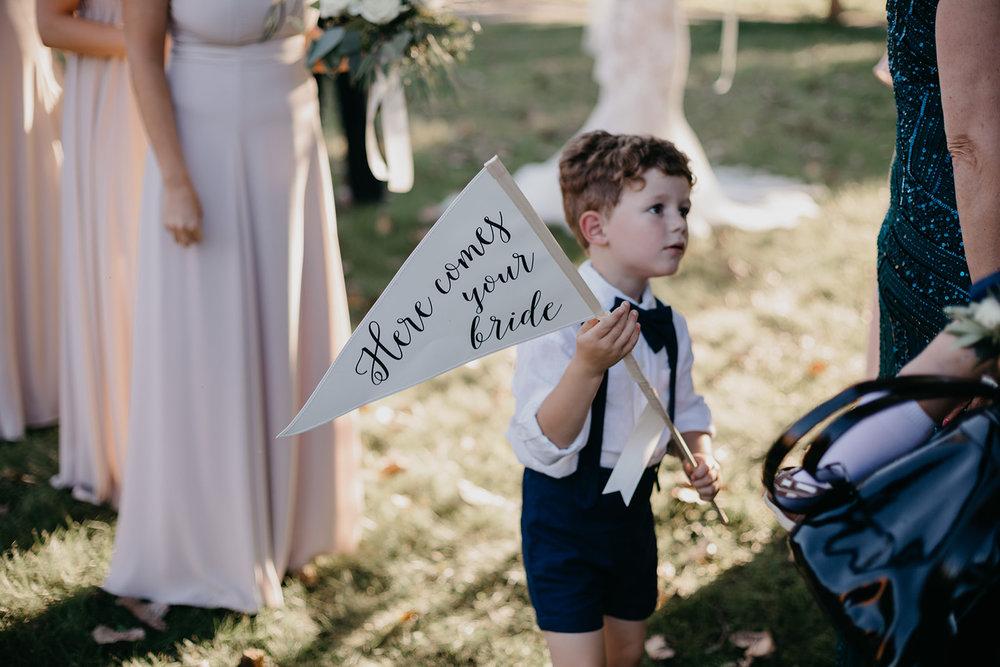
[375, 35]
[977, 325]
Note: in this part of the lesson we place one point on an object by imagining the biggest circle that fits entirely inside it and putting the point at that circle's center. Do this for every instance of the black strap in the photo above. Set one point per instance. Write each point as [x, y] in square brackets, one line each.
[588, 465]
[671, 345]
[587, 476]
[842, 411]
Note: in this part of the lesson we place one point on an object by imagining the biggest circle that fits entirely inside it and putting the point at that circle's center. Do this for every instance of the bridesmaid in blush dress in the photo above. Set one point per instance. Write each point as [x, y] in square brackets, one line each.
[240, 308]
[29, 224]
[104, 145]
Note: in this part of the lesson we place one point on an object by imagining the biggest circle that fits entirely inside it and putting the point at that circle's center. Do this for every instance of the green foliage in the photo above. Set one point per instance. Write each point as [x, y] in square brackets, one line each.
[424, 43]
[779, 321]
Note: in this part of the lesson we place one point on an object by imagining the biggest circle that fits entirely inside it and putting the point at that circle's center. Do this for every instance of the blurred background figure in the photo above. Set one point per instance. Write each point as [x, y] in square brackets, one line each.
[240, 309]
[352, 105]
[29, 224]
[104, 146]
[641, 50]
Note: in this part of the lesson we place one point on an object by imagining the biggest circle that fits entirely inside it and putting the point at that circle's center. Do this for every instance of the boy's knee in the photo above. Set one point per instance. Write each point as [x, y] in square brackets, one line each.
[628, 654]
[624, 641]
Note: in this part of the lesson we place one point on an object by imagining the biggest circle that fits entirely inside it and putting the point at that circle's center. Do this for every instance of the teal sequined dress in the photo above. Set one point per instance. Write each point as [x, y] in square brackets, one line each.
[921, 260]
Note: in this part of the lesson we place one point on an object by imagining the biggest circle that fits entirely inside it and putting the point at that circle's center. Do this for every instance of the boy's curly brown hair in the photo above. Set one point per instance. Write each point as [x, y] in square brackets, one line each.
[597, 166]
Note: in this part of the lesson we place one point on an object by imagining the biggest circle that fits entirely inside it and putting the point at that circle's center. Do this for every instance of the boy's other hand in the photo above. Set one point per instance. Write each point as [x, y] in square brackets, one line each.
[600, 344]
[705, 478]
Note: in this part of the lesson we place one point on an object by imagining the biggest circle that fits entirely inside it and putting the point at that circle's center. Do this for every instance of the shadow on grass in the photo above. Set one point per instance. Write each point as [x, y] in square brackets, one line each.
[459, 622]
[29, 504]
[764, 594]
[45, 639]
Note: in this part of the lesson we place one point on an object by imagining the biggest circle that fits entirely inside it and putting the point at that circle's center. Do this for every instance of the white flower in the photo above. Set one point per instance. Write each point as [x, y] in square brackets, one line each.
[988, 313]
[332, 7]
[380, 11]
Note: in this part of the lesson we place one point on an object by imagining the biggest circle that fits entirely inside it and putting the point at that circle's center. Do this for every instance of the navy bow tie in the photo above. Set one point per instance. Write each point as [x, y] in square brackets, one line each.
[654, 324]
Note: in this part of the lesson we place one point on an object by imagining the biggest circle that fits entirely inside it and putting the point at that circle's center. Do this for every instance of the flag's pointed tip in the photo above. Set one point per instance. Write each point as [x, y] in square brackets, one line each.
[294, 428]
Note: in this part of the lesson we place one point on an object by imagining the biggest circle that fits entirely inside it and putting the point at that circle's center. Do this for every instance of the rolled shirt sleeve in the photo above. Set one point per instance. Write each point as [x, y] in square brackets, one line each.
[540, 364]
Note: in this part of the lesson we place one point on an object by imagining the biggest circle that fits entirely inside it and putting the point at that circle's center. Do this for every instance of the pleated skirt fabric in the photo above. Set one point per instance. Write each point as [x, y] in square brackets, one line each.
[104, 147]
[30, 157]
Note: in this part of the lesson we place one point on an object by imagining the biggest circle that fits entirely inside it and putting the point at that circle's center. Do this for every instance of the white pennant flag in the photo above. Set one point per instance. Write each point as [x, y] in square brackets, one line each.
[488, 275]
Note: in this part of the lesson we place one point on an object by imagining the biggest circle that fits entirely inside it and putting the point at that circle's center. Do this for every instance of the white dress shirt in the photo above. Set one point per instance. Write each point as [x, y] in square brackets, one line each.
[542, 361]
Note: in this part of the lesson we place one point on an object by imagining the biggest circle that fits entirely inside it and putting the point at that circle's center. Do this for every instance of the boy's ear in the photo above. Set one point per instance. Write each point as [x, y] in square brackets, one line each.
[592, 228]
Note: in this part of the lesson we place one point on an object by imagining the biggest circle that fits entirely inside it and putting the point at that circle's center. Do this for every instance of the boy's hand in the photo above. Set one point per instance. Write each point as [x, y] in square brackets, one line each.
[600, 344]
[704, 478]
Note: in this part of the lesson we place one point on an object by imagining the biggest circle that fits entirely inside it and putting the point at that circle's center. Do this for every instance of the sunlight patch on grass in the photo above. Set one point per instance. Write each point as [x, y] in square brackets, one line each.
[58, 566]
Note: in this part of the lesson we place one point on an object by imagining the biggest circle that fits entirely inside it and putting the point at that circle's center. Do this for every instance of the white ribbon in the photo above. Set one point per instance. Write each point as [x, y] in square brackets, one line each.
[396, 167]
[636, 454]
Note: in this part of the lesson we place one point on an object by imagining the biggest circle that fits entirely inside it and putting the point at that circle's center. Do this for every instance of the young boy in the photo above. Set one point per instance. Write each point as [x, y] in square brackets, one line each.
[590, 560]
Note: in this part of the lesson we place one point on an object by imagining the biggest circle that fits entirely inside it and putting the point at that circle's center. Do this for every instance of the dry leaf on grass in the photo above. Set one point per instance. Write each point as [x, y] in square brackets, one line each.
[384, 225]
[390, 468]
[150, 613]
[477, 495]
[309, 575]
[816, 368]
[102, 634]
[657, 648]
[756, 645]
[253, 657]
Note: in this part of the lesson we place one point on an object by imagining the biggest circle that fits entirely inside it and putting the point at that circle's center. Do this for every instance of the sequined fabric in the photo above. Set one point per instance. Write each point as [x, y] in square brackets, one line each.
[921, 260]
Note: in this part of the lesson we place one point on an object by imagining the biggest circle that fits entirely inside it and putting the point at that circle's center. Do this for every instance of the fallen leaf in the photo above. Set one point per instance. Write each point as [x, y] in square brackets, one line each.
[816, 368]
[102, 634]
[356, 298]
[477, 495]
[309, 575]
[150, 613]
[390, 468]
[757, 644]
[253, 657]
[657, 648]
[384, 225]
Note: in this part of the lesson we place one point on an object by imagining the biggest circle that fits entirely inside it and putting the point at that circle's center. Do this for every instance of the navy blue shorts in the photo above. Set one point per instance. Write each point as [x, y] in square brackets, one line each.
[586, 563]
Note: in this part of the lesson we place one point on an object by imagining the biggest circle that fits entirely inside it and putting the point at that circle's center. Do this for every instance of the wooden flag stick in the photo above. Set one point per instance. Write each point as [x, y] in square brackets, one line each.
[509, 186]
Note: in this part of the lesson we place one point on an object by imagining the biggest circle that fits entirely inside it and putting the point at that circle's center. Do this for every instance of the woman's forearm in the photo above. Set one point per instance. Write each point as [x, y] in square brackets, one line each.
[969, 70]
[145, 37]
[60, 28]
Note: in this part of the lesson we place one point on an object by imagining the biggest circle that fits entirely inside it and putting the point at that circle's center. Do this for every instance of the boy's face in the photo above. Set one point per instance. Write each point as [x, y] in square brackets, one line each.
[646, 234]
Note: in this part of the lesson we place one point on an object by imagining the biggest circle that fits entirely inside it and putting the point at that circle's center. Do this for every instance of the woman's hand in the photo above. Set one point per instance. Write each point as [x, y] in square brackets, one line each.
[704, 478]
[182, 213]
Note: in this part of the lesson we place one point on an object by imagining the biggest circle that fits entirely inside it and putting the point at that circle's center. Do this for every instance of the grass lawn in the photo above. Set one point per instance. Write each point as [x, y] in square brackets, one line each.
[779, 320]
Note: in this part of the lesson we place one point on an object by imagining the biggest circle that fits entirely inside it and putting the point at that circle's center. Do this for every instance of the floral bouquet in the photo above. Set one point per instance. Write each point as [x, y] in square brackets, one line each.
[374, 36]
[978, 325]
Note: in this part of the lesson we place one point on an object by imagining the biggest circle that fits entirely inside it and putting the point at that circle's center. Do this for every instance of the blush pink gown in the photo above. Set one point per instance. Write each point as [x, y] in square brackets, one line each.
[104, 147]
[30, 156]
[232, 334]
